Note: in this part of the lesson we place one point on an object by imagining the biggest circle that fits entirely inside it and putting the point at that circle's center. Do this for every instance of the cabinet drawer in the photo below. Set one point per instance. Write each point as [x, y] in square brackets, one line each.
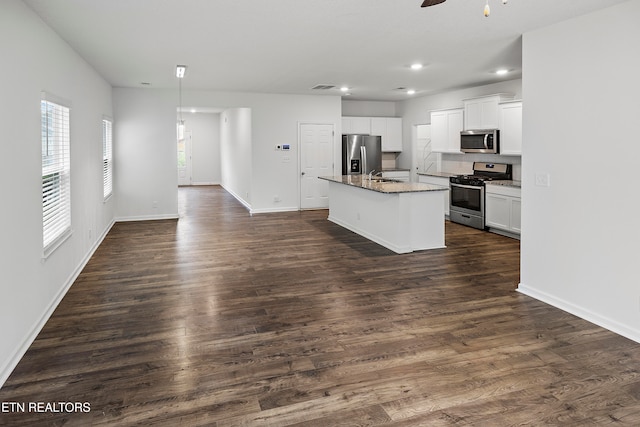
[503, 190]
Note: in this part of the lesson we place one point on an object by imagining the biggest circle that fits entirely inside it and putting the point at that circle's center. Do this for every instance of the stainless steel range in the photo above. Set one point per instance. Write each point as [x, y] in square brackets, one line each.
[467, 192]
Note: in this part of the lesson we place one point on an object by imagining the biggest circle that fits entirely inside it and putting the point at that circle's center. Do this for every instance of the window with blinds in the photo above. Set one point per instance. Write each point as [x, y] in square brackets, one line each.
[107, 158]
[56, 168]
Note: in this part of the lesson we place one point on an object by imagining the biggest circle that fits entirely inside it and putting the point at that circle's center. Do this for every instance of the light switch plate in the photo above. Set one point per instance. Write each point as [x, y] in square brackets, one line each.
[543, 180]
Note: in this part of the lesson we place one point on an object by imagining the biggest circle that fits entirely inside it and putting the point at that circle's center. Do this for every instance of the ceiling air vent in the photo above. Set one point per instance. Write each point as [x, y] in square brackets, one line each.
[323, 87]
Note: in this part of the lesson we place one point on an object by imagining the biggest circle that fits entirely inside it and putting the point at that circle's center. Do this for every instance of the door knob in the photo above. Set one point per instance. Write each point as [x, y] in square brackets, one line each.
[303, 173]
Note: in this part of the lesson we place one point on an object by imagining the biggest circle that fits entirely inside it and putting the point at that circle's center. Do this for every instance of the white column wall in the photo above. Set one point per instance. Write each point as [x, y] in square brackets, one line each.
[580, 234]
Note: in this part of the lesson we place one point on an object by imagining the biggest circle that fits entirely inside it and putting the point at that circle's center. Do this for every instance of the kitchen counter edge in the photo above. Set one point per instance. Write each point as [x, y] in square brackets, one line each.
[388, 187]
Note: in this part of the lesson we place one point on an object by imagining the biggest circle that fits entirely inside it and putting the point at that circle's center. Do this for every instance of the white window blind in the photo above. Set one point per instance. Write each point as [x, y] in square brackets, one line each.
[107, 157]
[56, 167]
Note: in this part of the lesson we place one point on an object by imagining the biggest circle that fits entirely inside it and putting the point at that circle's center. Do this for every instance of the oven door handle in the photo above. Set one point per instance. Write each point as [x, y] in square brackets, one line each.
[471, 187]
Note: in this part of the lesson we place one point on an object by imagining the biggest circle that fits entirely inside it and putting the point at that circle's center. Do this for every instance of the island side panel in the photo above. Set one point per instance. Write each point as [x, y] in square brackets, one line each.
[427, 220]
[401, 222]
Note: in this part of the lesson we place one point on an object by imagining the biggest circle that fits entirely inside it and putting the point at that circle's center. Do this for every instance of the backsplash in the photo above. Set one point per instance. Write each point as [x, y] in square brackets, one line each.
[389, 160]
[463, 163]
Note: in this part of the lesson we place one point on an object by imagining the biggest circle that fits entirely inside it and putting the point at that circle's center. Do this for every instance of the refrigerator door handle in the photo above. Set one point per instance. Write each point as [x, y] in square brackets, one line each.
[363, 159]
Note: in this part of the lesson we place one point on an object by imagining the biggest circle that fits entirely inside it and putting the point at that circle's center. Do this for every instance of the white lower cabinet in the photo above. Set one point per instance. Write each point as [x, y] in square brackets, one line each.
[502, 208]
[441, 181]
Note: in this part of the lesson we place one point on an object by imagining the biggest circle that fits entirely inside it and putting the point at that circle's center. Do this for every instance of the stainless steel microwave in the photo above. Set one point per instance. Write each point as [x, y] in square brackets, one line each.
[480, 141]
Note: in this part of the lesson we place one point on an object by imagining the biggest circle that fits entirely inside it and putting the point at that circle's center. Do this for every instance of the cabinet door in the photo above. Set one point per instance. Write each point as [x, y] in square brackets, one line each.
[439, 132]
[511, 128]
[497, 211]
[481, 113]
[445, 131]
[472, 115]
[361, 125]
[516, 204]
[455, 124]
[393, 141]
[346, 126]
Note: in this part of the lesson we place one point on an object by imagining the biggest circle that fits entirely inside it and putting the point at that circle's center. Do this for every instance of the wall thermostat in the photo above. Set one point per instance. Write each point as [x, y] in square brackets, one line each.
[286, 147]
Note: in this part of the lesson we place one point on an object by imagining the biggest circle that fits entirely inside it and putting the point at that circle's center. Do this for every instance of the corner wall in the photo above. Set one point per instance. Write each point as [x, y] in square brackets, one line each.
[580, 234]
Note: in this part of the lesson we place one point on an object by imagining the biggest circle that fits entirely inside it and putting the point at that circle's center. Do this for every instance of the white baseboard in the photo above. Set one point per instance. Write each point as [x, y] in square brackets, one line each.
[588, 315]
[205, 183]
[274, 210]
[147, 218]
[8, 368]
[238, 198]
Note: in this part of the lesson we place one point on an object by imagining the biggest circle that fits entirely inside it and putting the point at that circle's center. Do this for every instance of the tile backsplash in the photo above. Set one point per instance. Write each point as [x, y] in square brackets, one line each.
[463, 163]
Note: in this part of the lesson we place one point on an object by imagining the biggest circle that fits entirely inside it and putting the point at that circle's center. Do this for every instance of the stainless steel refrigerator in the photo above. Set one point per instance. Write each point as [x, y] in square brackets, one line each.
[361, 154]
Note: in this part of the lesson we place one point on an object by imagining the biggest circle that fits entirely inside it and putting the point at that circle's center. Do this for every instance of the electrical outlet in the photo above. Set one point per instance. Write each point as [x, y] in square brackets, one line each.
[543, 180]
[154, 204]
[276, 198]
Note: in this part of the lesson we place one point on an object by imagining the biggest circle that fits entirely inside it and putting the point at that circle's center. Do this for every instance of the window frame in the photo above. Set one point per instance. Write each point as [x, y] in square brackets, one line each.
[107, 158]
[55, 138]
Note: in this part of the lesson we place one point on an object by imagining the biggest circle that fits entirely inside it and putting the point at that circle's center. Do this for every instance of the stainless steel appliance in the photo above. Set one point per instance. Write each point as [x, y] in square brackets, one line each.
[480, 141]
[361, 154]
[466, 204]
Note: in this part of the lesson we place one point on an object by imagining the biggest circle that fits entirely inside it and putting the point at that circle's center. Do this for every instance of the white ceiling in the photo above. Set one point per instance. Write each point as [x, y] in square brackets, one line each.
[289, 46]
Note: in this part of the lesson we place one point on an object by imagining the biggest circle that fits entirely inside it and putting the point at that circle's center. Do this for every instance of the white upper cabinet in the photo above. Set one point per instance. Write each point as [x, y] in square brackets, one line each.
[389, 128]
[361, 125]
[511, 128]
[445, 130]
[482, 112]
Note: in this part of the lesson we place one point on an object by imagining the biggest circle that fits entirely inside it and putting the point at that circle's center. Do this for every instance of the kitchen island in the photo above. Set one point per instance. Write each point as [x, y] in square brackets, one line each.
[401, 216]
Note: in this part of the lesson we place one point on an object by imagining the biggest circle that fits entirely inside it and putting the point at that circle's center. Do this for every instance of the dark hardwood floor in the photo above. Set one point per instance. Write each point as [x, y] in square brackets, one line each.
[226, 319]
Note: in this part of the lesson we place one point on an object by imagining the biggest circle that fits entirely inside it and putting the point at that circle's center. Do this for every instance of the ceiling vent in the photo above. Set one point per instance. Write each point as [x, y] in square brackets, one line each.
[323, 87]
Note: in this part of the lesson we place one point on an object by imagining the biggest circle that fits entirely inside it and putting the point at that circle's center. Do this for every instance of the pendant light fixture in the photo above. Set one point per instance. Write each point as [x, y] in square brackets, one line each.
[487, 9]
[180, 71]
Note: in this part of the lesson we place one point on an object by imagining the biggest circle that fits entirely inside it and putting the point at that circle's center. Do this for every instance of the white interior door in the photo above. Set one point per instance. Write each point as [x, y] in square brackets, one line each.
[316, 159]
[184, 159]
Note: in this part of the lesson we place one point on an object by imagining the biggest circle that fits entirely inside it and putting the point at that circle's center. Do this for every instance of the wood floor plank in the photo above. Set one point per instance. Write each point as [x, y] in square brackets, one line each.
[223, 318]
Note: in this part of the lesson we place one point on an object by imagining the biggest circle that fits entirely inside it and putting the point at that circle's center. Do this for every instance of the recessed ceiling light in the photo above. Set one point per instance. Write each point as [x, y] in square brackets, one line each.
[411, 91]
[502, 71]
[344, 89]
[416, 66]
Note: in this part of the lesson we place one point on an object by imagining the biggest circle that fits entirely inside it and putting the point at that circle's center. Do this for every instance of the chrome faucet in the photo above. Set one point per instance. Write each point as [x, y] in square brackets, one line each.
[372, 174]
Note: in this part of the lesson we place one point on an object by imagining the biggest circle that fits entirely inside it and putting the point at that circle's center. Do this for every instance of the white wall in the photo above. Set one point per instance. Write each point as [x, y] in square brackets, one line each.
[580, 235]
[235, 153]
[205, 152]
[147, 156]
[368, 108]
[36, 59]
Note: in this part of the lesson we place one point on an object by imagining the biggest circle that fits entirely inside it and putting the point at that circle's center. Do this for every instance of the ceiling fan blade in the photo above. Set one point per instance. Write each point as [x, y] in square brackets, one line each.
[426, 3]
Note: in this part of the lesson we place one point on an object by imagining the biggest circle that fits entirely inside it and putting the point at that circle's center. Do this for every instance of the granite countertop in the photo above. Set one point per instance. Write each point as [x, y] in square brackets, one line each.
[387, 186]
[439, 174]
[506, 183]
[395, 170]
